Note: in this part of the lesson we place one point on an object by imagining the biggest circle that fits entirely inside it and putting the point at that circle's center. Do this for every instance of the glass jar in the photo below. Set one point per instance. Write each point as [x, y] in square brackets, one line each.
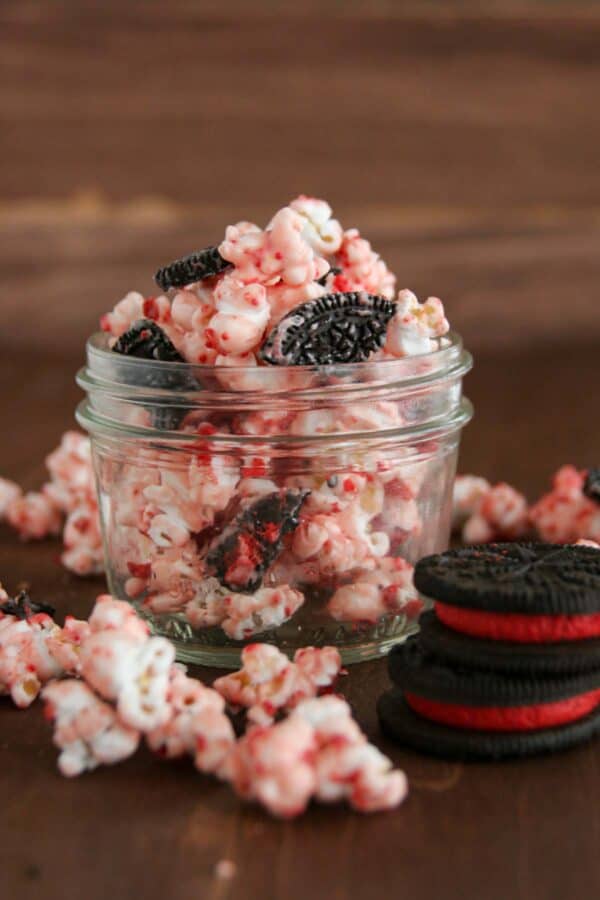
[273, 504]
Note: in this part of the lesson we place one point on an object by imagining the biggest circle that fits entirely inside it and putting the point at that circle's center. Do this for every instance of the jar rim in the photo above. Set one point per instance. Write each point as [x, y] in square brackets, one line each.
[132, 377]
[95, 423]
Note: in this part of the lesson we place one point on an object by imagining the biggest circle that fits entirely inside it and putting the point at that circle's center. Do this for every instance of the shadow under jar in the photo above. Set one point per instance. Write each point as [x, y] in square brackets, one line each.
[274, 504]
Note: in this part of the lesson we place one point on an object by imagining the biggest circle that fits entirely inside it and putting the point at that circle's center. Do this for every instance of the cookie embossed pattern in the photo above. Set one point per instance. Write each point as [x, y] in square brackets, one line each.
[275, 441]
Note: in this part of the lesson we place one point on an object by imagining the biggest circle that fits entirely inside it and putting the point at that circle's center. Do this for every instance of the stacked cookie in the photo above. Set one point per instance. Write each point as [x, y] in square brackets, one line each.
[508, 661]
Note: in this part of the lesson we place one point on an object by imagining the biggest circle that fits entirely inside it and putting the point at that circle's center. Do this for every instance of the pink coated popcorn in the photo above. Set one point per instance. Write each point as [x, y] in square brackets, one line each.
[34, 516]
[83, 551]
[87, 730]
[269, 682]
[274, 766]
[65, 643]
[71, 474]
[323, 233]
[267, 608]
[386, 588]
[197, 724]
[566, 514]
[109, 614]
[207, 606]
[362, 268]
[415, 325]
[134, 675]
[9, 493]
[25, 660]
[347, 766]
[469, 491]
[242, 316]
[131, 309]
[501, 515]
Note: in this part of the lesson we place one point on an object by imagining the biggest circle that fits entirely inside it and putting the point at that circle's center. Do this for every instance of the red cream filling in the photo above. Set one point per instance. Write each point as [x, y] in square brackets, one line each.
[505, 718]
[498, 626]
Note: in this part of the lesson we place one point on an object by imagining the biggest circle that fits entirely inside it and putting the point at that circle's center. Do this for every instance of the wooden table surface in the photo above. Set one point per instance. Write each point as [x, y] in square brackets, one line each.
[466, 145]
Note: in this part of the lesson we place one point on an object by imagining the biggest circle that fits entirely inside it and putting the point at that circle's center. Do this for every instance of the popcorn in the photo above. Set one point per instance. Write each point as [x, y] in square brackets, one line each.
[386, 588]
[267, 608]
[121, 663]
[197, 724]
[83, 550]
[415, 325]
[131, 309]
[241, 318]
[71, 473]
[9, 493]
[279, 254]
[34, 516]
[65, 643]
[25, 659]
[87, 730]
[501, 515]
[317, 751]
[486, 513]
[468, 492]
[362, 268]
[269, 682]
[273, 765]
[566, 514]
[347, 766]
[323, 233]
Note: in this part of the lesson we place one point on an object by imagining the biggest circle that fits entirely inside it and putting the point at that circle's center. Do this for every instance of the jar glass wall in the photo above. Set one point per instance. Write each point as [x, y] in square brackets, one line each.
[273, 504]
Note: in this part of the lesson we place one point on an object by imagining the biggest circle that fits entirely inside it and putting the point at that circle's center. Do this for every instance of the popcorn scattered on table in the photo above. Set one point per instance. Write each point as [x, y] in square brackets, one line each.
[567, 513]
[269, 683]
[26, 661]
[318, 751]
[69, 494]
[87, 730]
[487, 513]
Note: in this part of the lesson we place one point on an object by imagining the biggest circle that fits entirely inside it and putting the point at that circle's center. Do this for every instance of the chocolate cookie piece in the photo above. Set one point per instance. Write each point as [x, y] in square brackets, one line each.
[335, 328]
[253, 539]
[400, 723]
[23, 607]
[529, 578]
[518, 659]
[146, 340]
[196, 267]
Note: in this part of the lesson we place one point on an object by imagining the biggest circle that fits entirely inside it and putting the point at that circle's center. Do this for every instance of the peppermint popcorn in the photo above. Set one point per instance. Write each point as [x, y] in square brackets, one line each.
[269, 682]
[323, 233]
[567, 513]
[415, 325]
[87, 730]
[317, 751]
[361, 268]
[197, 725]
[26, 661]
[69, 493]
[486, 513]
[132, 672]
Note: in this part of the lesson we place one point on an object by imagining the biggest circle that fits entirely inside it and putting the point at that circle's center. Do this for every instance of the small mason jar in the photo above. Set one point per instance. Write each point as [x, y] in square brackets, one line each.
[264, 503]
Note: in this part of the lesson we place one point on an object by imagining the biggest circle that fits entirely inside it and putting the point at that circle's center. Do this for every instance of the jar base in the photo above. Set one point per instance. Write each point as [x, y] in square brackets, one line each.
[229, 657]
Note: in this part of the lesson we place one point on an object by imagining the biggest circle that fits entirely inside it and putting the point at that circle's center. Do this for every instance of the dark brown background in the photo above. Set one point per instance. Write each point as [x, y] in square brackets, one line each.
[463, 139]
